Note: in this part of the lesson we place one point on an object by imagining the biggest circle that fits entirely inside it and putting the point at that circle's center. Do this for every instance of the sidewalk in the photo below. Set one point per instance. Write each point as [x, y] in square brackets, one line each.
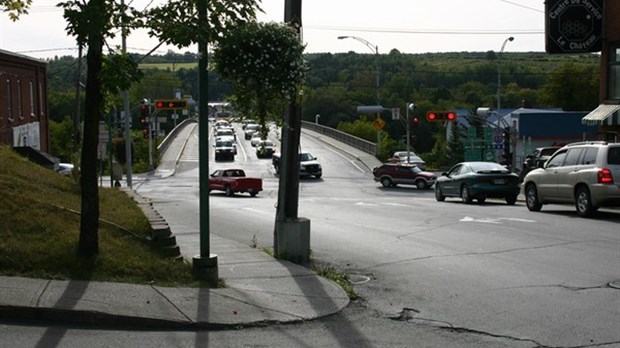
[259, 289]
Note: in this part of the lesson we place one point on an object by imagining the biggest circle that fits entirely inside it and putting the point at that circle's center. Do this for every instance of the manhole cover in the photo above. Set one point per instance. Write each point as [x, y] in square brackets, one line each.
[358, 279]
[615, 284]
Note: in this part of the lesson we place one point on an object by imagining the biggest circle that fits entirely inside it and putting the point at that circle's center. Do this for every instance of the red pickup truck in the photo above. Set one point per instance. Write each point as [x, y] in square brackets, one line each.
[234, 180]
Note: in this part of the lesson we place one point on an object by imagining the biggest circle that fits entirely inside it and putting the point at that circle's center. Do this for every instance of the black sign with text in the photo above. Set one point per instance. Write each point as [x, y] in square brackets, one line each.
[573, 26]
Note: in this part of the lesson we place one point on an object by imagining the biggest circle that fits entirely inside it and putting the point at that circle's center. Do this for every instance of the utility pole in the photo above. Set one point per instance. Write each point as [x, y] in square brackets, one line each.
[291, 233]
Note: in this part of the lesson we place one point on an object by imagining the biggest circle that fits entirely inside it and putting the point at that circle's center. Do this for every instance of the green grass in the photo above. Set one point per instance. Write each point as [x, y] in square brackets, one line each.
[40, 223]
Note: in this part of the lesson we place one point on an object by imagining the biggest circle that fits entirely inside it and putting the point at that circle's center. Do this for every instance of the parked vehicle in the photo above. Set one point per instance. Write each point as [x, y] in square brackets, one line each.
[234, 181]
[225, 150]
[264, 149]
[579, 173]
[537, 159]
[65, 168]
[478, 180]
[392, 174]
[308, 165]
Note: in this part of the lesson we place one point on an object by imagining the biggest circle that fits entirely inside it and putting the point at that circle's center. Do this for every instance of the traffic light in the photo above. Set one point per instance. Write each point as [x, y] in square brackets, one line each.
[171, 104]
[415, 121]
[145, 133]
[440, 116]
[144, 116]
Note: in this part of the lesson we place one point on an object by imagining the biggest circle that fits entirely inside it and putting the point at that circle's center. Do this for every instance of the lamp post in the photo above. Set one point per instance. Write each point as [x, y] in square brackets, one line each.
[499, 71]
[375, 50]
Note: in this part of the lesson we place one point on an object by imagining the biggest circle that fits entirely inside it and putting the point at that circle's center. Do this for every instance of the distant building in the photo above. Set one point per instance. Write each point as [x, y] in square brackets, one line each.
[607, 116]
[24, 108]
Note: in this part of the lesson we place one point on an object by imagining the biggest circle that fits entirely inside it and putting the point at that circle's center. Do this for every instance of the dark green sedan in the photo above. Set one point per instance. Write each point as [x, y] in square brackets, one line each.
[479, 181]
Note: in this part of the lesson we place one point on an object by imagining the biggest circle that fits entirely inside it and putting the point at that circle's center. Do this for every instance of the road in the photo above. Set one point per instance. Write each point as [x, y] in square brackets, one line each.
[432, 274]
[493, 269]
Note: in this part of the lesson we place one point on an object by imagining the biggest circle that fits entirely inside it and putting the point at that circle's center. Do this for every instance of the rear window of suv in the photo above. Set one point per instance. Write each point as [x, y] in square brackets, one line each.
[590, 155]
[613, 155]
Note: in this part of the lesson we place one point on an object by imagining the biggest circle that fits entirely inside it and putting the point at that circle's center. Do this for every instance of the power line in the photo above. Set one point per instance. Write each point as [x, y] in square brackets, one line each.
[431, 31]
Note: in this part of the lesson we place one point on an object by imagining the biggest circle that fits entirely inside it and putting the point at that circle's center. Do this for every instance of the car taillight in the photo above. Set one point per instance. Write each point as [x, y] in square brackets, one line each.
[605, 177]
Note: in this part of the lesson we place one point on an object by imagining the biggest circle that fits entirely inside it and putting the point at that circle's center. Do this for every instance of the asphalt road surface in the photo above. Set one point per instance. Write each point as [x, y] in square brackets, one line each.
[496, 272]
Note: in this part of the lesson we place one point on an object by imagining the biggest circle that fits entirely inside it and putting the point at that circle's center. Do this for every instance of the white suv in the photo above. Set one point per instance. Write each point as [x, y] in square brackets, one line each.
[579, 173]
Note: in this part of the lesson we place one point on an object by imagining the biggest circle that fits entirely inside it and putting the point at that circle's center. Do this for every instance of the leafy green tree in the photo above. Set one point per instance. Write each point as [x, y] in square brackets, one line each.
[573, 87]
[61, 138]
[263, 63]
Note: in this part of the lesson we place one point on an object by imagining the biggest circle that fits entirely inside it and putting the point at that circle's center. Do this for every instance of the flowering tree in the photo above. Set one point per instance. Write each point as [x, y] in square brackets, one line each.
[264, 64]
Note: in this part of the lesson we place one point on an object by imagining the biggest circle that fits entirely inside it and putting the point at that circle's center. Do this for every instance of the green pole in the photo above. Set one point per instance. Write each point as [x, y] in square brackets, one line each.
[205, 264]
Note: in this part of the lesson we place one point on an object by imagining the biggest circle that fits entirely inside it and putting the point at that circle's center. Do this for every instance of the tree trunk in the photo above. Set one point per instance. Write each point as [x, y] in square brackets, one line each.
[89, 223]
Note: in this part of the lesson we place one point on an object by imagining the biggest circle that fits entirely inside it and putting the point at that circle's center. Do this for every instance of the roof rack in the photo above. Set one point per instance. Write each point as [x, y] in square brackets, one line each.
[593, 142]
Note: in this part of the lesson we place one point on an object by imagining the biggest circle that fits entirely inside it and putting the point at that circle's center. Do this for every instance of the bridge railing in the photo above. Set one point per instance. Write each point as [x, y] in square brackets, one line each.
[356, 142]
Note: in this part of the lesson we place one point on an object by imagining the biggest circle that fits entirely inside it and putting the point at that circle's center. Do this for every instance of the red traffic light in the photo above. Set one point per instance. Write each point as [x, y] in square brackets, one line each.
[171, 104]
[416, 121]
[438, 116]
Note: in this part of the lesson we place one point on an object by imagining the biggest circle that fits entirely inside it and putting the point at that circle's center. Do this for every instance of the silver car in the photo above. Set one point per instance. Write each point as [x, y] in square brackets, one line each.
[585, 174]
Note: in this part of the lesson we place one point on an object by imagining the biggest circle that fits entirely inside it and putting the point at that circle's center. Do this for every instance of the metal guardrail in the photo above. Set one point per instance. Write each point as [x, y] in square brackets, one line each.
[358, 143]
[168, 139]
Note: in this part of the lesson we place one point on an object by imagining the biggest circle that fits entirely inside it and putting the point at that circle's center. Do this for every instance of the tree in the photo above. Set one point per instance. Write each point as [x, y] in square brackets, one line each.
[264, 64]
[15, 8]
[573, 87]
[92, 23]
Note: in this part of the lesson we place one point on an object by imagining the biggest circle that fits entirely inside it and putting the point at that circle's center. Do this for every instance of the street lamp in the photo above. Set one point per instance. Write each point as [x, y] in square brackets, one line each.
[375, 50]
[499, 71]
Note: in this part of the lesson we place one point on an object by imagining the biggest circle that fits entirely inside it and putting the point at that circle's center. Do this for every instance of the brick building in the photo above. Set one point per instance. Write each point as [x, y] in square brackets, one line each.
[23, 102]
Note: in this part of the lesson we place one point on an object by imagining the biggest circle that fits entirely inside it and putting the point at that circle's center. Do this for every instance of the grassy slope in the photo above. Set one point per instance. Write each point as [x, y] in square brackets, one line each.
[39, 231]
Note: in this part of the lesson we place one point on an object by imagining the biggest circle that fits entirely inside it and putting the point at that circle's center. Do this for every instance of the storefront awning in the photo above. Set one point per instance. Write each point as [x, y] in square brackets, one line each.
[599, 115]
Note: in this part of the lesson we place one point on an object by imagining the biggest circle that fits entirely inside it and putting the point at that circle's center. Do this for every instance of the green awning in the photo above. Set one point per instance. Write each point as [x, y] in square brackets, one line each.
[600, 115]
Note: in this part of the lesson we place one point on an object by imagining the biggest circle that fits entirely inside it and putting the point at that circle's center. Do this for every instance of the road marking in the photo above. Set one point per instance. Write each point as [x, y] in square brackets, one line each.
[493, 220]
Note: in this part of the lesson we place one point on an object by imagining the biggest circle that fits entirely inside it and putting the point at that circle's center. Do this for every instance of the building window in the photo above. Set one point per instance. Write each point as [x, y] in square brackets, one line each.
[9, 100]
[31, 91]
[613, 74]
[20, 109]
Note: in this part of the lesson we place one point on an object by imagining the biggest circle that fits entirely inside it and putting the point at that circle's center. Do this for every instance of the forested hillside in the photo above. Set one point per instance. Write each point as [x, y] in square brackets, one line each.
[337, 83]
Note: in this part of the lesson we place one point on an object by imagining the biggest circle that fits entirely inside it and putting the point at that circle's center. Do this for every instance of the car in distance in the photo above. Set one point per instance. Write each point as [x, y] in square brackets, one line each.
[537, 159]
[392, 174]
[586, 174]
[308, 165]
[410, 158]
[479, 181]
[264, 149]
[225, 150]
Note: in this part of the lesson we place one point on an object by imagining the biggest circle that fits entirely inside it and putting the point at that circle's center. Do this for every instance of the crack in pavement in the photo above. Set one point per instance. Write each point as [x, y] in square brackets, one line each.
[471, 254]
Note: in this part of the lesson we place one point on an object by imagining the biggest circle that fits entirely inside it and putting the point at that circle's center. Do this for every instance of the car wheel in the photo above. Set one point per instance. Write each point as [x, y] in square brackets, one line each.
[253, 194]
[229, 191]
[583, 202]
[421, 185]
[531, 198]
[511, 200]
[465, 194]
[386, 182]
[481, 200]
[438, 194]
[318, 176]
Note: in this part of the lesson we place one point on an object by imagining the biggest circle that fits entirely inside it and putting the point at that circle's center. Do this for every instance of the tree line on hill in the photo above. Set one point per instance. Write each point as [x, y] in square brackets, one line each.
[336, 84]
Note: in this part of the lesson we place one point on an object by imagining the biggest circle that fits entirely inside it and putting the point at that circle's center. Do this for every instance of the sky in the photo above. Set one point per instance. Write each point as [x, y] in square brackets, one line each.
[409, 26]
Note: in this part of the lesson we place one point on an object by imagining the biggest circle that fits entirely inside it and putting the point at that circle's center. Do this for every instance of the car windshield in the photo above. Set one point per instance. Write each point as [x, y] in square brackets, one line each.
[613, 155]
[416, 169]
[481, 167]
[305, 157]
[224, 144]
